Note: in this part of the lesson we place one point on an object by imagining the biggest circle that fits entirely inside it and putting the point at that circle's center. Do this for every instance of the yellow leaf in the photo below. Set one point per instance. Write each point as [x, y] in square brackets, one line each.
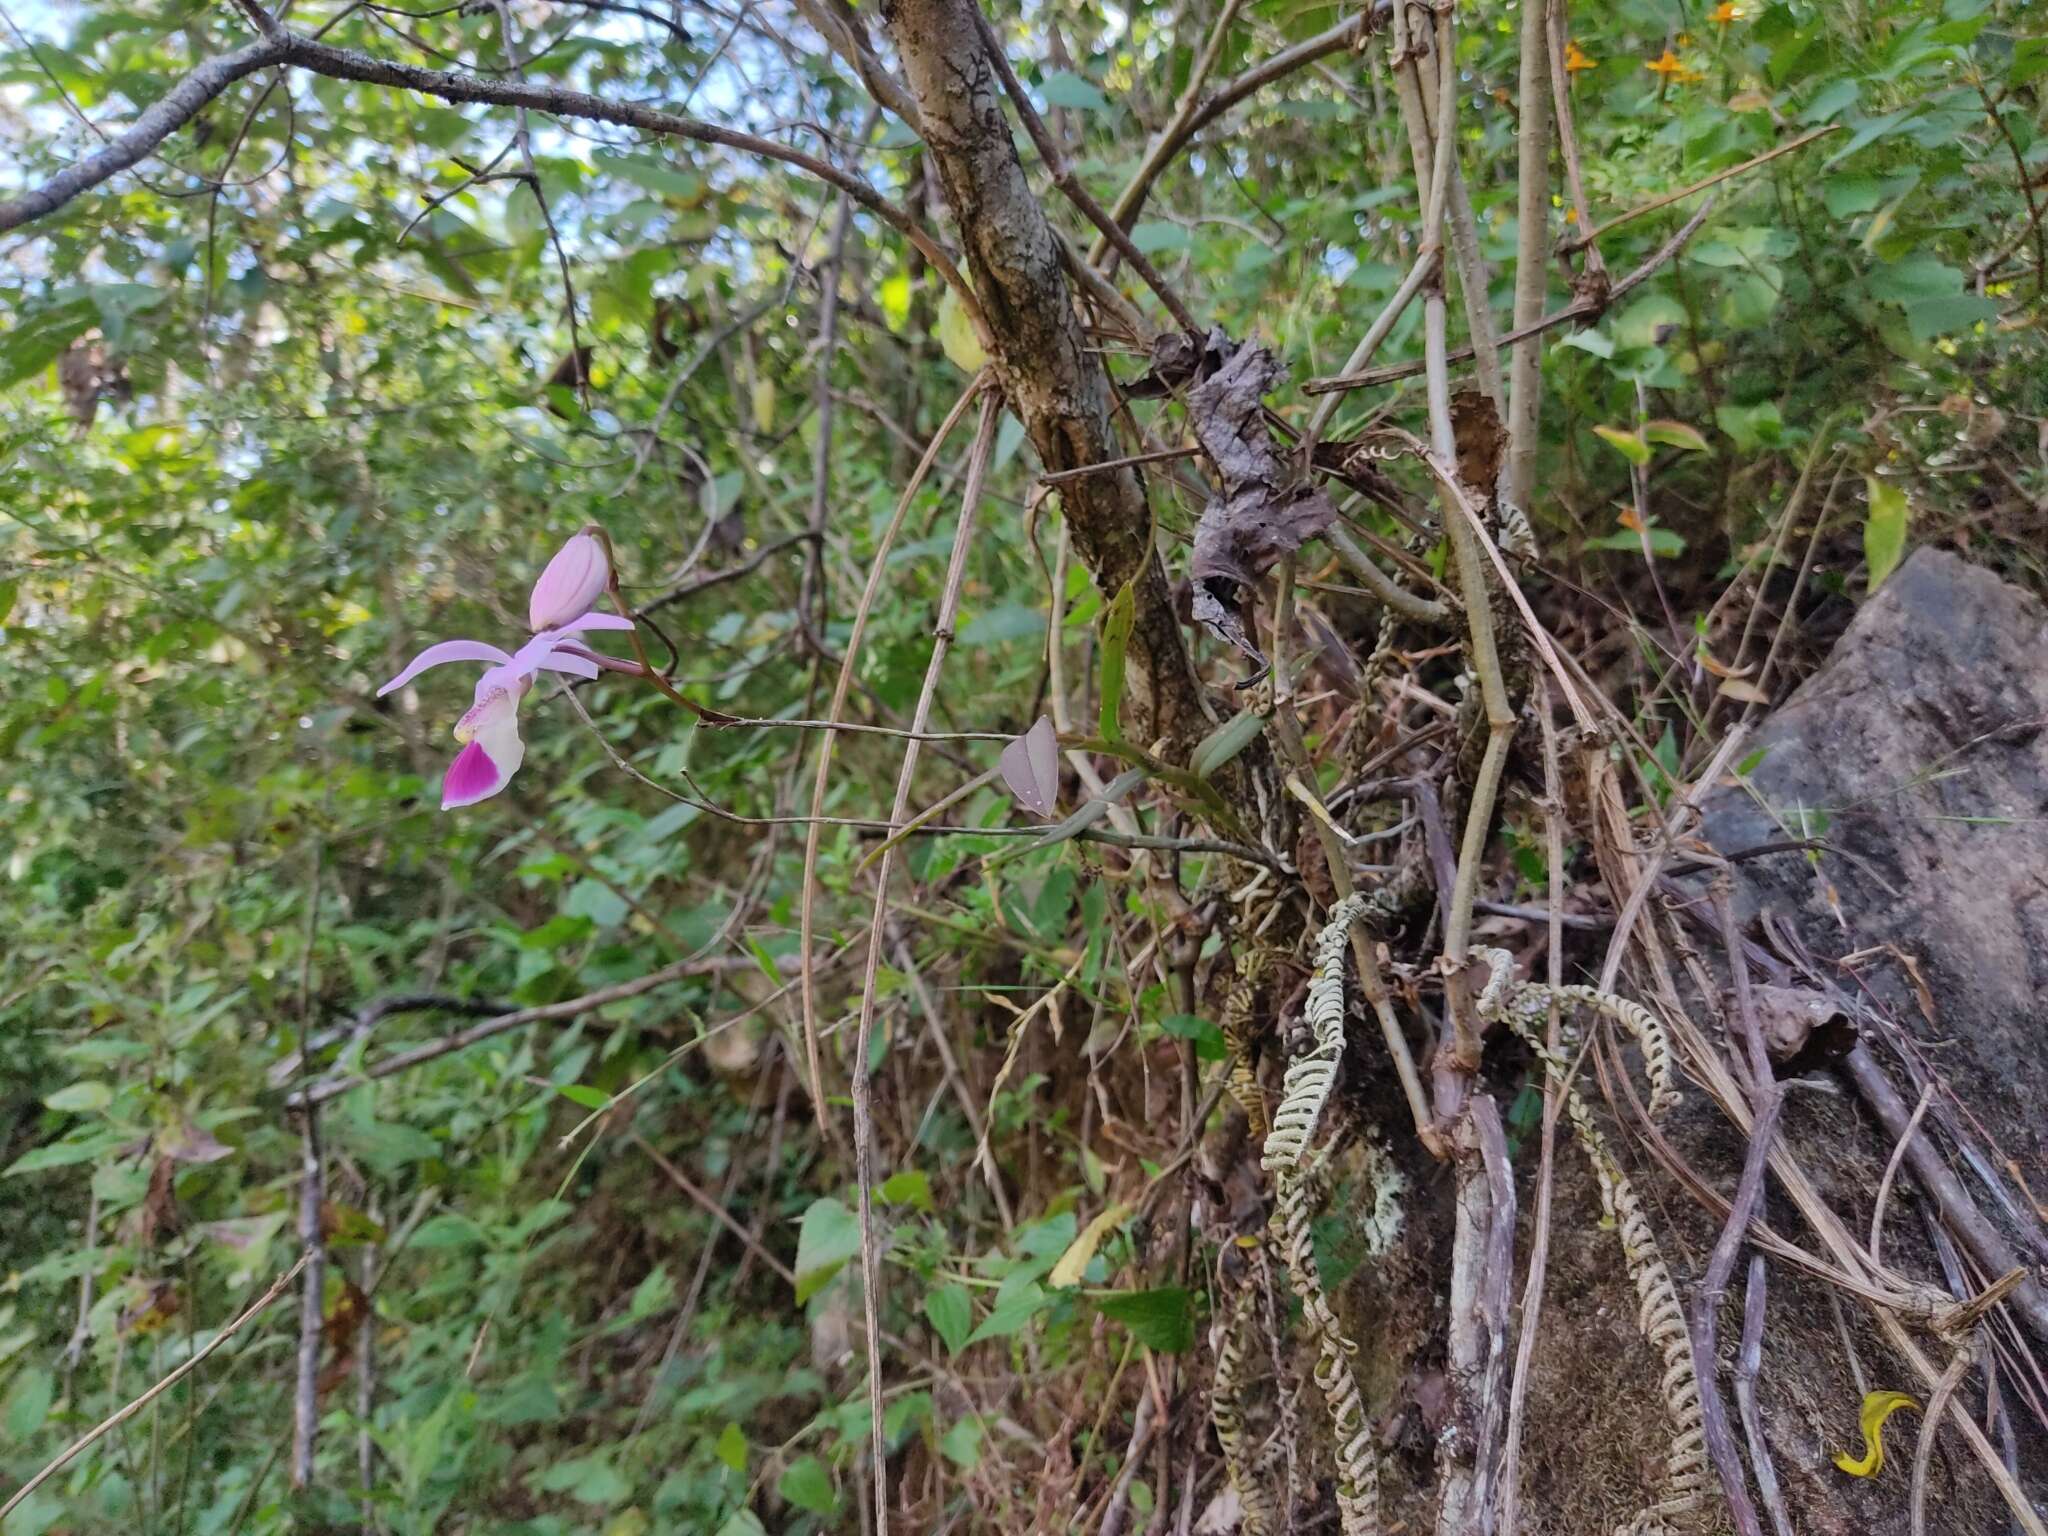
[764, 405]
[956, 334]
[1884, 529]
[1073, 1263]
[1877, 1407]
[895, 300]
[1747, 693]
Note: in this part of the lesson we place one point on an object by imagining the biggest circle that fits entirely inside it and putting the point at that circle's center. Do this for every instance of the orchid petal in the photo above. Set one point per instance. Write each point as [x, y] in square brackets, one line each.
[491, 751]
[473, 776]
[571, 663]
[573, 580]
[442, 653]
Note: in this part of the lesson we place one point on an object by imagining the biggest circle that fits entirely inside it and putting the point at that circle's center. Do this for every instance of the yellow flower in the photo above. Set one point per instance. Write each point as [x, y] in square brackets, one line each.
[1727, 11]
[1575, 60]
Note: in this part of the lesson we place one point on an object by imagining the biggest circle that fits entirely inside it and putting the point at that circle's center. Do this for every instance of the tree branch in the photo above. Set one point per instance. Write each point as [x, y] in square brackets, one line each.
[214, 76]
[1054, 380]
[166, 116]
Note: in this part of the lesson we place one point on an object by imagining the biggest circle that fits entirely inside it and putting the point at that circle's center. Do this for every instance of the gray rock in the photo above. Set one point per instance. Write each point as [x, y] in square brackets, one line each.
[1919, 754]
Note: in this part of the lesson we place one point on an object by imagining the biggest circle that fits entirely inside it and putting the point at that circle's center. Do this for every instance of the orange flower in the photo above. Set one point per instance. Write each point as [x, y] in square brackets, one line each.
[1671, 67]
[1576, 60]
[1727, 11]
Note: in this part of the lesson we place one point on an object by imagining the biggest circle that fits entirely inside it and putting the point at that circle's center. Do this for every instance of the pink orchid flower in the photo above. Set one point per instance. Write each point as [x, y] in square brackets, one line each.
[489, 731]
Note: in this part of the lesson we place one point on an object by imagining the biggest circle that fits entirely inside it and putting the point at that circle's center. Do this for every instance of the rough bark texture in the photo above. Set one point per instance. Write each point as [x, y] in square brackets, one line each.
[1055, 385]
[1920, 753]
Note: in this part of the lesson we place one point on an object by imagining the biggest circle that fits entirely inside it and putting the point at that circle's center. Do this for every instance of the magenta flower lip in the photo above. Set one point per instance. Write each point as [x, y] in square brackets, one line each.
[492, 747]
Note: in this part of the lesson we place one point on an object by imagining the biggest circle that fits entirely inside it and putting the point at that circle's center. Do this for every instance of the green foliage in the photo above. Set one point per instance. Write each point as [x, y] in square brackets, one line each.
[276, 415]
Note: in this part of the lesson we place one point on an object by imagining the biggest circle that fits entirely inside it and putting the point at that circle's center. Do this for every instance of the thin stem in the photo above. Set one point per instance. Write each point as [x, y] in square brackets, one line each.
[863, 1092]
[1532, 230]
[122, 1415]
[807, 919]
[1076, 190]
[1553, 1103]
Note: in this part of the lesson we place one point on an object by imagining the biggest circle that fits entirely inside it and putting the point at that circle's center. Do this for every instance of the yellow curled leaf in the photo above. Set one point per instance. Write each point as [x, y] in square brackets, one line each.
[1073, 1263]
[957, 336]
[1877, 1407]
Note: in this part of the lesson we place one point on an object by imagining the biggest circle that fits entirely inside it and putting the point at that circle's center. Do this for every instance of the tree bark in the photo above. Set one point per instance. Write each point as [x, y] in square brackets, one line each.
[1054, 383]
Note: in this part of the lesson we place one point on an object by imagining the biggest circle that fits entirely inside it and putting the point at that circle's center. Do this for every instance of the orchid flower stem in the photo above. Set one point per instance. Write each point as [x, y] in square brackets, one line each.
[647, 668]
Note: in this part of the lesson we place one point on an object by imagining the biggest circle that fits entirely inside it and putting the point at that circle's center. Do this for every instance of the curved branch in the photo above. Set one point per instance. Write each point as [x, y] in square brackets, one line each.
[348, 64]
[214, 76]
[1159, 154]
[172, 111]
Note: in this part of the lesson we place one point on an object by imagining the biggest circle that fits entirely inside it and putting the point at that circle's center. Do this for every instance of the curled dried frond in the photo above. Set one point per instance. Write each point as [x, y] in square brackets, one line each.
[1226, 1413]
[1310, 1078]
[1239, 1015]
[1688, 1478]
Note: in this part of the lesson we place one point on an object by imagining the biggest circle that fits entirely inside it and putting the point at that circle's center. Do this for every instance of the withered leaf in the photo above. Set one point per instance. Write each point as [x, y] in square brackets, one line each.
[1179, 358]
[158, 1216]
[190, 1143]
[1264, 512]
[1031, 768]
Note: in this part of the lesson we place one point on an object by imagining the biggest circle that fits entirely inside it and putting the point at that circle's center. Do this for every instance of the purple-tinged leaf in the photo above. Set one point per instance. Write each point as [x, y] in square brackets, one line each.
[1031, 768]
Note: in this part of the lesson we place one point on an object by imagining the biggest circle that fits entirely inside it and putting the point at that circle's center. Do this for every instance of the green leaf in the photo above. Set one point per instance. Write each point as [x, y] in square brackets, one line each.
[909, 1187]
[1884, 528]
[652, 173]
[1847, 196]
[806, 1484]
[1589, 340]
[28, 1404]
[732, 1448]
[448, 1230]
[951, 1313]
[598, 902]
[1675, 434]
[589, 1098]
[651, 1295]
[1751, 426]
[1929, 318]
[743, 1522]
[81, 1098]
[1224, 743]
[1013, 1309]
[1116, 640]
[828, 1237]
[1629, 445]
[1207, 1037]
[1155, 235]
[961, 1444]
[1161, 1320]
[958, 338]
[1664, 544]
[1918, 276]
[588, 1480]
[1064, 88]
